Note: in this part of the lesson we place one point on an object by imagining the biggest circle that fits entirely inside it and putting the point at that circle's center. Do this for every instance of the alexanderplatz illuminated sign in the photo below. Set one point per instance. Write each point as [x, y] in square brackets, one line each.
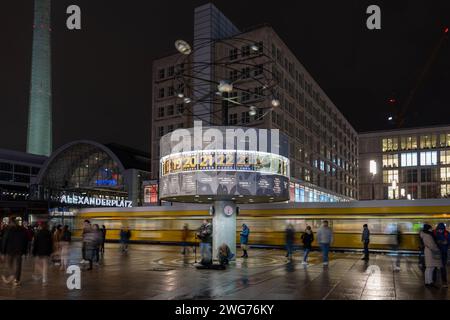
[205, 164]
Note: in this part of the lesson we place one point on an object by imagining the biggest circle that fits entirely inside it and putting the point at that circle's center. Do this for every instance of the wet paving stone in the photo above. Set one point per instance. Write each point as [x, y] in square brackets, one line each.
[161, 272]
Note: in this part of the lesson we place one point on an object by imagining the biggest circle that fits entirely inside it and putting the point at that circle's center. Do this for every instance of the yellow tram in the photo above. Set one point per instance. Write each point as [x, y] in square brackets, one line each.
[391, 222]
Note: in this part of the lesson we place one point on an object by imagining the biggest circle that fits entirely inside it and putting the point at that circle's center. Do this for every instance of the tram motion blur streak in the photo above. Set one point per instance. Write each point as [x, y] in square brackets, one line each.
[165, 224]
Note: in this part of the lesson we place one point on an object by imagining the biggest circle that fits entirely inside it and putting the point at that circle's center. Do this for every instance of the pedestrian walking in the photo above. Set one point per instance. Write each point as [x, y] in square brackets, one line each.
[66, 239]
[184, 238]
[307, 239]
[244, 240]
[56, 255]
[98, 238]
[325, 238]
[30, 234]
[432, 254]
[92, 239]
[365, 238]
[14, 246]
[125, 235]
[290, 239]
[42, 250]
[442, 239]
[86, 230]
[205, 236]
[102, 246]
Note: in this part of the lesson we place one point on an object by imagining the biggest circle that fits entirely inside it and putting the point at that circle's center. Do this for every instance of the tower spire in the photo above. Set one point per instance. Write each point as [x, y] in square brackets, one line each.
[39, 139]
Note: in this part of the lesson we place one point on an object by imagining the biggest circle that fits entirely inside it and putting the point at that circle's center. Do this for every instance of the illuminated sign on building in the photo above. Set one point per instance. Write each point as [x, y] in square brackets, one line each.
[84, 200]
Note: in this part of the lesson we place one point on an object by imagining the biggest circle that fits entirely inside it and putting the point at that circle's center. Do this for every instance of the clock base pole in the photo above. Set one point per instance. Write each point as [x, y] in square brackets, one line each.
[224, 226]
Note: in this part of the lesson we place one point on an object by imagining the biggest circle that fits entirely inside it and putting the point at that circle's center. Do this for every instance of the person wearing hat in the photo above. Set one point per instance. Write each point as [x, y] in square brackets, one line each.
[244, 240]
[432, 253]
[442, 239]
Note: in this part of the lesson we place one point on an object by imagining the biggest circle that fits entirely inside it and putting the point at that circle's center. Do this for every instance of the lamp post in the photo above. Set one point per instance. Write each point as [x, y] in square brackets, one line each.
[394, 187]
[373, 171]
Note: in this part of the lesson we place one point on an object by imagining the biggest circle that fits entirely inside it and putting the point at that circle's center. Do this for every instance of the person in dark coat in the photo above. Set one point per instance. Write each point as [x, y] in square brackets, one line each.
[14, 246]
[102, 245]
[307, 239]
[42, 250]
[365, 238]
[442, 238]
[125, 236]
[290, 239]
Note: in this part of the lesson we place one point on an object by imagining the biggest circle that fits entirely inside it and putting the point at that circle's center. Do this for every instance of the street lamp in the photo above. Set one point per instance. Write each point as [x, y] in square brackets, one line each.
[373, 171]
[394, 187]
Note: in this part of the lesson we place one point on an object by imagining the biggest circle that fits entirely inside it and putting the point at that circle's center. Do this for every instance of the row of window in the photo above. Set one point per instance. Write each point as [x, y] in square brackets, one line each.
[170, 110]
[411, 175]
[427, 141]
[410, 159]
[432, 191]
[170, 71]
[299, 78]
[18, 168]
[246, 51]
[163, 130]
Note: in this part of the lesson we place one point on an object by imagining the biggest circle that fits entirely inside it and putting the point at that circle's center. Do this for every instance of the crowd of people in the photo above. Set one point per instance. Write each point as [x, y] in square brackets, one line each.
[18, 240]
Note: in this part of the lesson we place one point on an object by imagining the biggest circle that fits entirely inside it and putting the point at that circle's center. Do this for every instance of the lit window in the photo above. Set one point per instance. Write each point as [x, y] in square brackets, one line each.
[428, 158]
[390, 175]
[445, 190]
[393, 193]
[445, 157]
[444, 140]
[428, 141]
[390, 160]
[445, 174]
[409, 159]
[408, 143]
[390, 144]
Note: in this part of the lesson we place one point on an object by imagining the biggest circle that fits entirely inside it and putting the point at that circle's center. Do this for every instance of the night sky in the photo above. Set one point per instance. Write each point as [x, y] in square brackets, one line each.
[102, 73]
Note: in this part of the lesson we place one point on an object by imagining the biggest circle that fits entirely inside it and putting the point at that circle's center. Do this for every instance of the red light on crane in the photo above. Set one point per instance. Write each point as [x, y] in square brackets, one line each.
[391, 100]
[446, 30]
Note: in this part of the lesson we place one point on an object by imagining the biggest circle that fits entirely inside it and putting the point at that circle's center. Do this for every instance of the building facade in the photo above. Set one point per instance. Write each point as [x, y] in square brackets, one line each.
[323, 146]
[410, 163]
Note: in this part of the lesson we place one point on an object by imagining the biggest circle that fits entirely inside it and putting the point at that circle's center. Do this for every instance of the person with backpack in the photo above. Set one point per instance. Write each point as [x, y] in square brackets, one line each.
[205, 236]
[441, 237]
[307, 239]
[432, 254]
[244, 240]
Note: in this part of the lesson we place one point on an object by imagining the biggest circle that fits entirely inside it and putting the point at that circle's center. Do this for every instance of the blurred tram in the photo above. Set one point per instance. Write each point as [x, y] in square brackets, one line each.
[391, 222]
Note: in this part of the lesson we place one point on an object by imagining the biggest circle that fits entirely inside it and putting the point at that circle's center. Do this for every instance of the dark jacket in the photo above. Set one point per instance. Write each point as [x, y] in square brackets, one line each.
[66, 236]
[365, 237]
[125, 235]
[307, 240]
[15, 241]
[290, 235]
[43, 243]
[205, 233]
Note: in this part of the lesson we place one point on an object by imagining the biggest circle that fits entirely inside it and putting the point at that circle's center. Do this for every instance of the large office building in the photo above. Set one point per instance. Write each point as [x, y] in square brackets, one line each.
[409, 163]
[323, 146]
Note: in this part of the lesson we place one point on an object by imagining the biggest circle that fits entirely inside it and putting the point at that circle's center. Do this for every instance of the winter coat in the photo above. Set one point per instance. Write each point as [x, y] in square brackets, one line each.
[442, 237]
[432, 253]
[125, 235]
[290, 236]
[205, 233]
[15, 241]
[43, 243]
[365, 237]
[325, 235]
[307, 239]
[244, 235]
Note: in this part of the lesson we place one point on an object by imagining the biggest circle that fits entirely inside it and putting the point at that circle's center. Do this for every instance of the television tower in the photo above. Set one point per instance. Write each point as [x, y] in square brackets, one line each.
[39, 139]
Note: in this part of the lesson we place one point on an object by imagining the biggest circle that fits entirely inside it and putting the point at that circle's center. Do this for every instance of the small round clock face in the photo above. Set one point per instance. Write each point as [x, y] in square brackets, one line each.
[228, 210]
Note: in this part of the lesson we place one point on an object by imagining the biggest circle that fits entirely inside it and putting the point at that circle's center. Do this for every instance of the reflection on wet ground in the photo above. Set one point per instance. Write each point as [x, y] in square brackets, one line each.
[162, 272]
